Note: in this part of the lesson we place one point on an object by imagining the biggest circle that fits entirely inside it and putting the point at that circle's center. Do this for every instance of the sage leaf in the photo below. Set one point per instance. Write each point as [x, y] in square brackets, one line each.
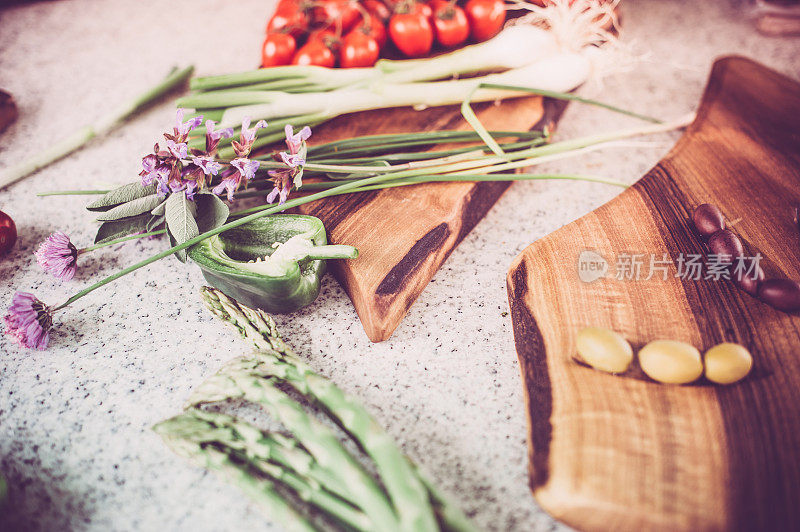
[159, 211]
[154, 222]
[181, 255]
[121, 195]
[131, 208]
[180, 213]
[109, 231]
[211, 212]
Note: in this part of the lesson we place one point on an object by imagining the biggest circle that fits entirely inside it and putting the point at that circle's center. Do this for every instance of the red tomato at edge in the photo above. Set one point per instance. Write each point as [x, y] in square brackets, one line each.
[8, 233]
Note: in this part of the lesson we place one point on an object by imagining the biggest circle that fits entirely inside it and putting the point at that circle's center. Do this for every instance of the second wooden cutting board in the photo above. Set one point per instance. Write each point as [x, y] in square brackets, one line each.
[405, 234]
[626, 453]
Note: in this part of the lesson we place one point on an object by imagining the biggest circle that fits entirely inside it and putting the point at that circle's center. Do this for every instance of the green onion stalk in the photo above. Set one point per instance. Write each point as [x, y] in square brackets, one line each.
[472, 165]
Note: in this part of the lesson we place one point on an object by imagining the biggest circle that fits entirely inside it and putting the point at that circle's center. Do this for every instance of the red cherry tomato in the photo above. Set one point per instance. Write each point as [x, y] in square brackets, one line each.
[374, 28]
[486, 18]
[333, 12]
[278, 49]
[451, 25]
[411, 33]
[315, 53]
[8, 233]
[325, 36]
[422, 8]
[377, 8]
[289, 17]
[358, 50]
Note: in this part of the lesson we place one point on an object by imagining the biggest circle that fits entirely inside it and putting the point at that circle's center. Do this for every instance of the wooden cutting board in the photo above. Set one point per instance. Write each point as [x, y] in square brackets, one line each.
[405, 234]
[623, 452]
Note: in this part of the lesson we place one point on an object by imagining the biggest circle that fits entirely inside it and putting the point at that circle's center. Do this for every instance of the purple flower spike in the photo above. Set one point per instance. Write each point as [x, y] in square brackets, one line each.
[208, 165]
[28, 321]
[58, 256]
[246, 167]
[248, 135]
[228, 184]
[295, 142]
[294, 160]
[178, 150]
[213, 137]
[183, 128]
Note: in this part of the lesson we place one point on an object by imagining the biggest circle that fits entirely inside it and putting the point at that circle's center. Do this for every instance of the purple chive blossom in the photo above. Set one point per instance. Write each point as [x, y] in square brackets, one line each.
[295, 142]
[213, 137]
[58, 256]
[28, 321]
[247, 137]
[183, 128]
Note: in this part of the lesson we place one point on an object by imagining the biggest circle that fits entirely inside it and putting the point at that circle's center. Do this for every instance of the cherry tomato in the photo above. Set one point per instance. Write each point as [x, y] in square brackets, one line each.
[374, 28]
[8, 233]
[289, 17]
[486, 18]
[422, 8]
[278, 49]
[411, 33]
[315, 53]
[358, 50]
[377, 8]
[333, 12]
[451, 25]
[325, 36]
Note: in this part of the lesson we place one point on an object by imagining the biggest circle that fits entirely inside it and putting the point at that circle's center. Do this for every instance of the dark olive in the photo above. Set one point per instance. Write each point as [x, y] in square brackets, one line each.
[782, 294]
[745, 279]
[727, 244]
[708, 219]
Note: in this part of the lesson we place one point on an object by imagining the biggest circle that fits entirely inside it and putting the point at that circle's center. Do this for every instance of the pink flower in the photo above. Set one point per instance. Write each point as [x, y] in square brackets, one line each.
[58, 256]
[242, 170]
[28, 321]
[213, 137]
[295, 142]
[182, 128]
[247, 137]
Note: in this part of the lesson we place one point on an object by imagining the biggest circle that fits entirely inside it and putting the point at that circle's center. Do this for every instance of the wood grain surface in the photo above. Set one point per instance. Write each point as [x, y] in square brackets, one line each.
[405, 234]
[623, 452]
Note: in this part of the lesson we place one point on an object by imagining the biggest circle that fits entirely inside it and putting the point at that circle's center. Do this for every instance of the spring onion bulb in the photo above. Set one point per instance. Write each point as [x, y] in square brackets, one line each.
[557, 72]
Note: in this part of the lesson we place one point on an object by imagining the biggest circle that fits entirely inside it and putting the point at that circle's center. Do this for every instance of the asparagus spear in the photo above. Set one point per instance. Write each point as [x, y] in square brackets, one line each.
[409, 494]
[195, 427]
[235, 380]
[261, 491]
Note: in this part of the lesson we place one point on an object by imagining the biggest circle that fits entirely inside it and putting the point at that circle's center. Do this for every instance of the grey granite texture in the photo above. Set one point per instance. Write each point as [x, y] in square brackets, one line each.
[75, 443]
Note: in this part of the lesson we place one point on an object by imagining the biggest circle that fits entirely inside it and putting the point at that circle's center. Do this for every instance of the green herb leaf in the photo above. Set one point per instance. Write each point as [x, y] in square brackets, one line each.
[159, 211]
[121, 195]
[117, 229]
[211, 212]
[154, 222]
[131, 208]
[180, 213]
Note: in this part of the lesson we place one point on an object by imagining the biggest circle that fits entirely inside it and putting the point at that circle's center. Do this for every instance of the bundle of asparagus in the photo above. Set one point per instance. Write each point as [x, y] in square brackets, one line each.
[311, 464]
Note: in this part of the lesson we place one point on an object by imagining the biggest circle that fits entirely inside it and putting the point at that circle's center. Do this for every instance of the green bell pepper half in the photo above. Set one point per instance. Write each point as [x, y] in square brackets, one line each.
[273, 263]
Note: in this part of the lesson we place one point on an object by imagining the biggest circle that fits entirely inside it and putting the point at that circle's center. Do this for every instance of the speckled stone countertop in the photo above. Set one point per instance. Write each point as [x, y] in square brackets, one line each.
[75, 444]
